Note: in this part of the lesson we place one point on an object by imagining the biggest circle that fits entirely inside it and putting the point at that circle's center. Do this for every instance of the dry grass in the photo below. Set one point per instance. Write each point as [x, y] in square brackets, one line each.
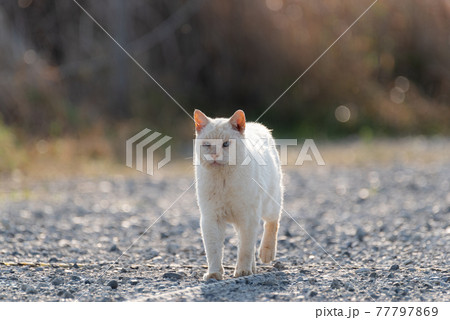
[382, 152]
[93, 156]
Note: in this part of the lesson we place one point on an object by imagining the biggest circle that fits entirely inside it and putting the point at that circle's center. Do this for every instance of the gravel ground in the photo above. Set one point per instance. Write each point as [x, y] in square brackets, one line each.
[377, 233]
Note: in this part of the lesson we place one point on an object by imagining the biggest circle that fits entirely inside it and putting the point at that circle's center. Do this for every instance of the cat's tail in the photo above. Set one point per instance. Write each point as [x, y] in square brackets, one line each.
[268, 248]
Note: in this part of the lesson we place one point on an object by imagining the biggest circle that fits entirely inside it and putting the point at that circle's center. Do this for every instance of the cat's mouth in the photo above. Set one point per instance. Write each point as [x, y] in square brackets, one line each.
[215, 163]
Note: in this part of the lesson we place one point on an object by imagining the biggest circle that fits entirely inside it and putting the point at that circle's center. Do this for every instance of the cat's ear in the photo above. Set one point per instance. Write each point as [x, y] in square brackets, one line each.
[238, 121]
[201, 120]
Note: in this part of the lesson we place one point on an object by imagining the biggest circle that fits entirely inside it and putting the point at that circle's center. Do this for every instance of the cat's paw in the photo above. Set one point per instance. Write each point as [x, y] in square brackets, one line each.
[266, 255]
[242, 273]
[214, 275]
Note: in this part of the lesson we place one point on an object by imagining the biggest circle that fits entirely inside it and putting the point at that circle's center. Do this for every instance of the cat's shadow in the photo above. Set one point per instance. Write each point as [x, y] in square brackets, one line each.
[260, 286]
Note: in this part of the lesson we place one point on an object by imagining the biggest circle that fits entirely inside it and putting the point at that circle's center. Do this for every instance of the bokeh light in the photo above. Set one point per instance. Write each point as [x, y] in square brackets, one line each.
[24, 3]
[342, 114]
[402, 83]
[274, 5]
[30, 56]
[397, 95]
[42, 146]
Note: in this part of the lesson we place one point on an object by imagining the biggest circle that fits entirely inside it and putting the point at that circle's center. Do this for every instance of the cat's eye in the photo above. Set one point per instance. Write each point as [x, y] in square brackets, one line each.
[226, 144]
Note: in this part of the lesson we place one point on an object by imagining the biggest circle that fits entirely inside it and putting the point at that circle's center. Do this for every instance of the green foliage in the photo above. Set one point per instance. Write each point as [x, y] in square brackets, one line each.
[11, 153]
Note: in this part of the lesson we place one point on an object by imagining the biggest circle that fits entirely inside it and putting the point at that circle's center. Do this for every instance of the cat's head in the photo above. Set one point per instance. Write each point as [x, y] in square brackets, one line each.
[218, 141]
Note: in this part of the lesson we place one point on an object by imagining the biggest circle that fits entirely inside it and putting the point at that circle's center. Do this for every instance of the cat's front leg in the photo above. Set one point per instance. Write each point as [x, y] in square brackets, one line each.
[213, 233]
[246, 264]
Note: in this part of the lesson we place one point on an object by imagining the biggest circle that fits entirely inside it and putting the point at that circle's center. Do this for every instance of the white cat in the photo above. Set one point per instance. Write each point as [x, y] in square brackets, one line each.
[231, 176]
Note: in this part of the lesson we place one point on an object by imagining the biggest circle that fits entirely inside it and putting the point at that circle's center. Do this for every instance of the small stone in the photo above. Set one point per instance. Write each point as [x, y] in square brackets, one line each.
[393, 238]
[312, 294]
[119, 298]
[87, 281]
[211, 280]
[349, 287]
[164, 235]
[30, 290]
[374, 296]
[38, 214]
[394, 267]
[42, 283]
[408, 262]
[172, 276]
[113, 284]
[39, 269]
[58, 281]
[312, 280]
[114, 248]
[427, 285]
[269, 282]
[373, 275]
[435, 280]
[390, 275]
[67, 295]
[360, 234]
[362, 271]
[134, 282]
[336, 284]
[75, 278]
[150, 253]
[172, 248]
[123, 270]
[279, 265]
[446, 279]
[53, 260]
[363, 194]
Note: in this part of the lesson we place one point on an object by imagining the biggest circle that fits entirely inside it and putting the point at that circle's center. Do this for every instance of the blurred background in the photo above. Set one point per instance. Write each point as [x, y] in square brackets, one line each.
[69, 95]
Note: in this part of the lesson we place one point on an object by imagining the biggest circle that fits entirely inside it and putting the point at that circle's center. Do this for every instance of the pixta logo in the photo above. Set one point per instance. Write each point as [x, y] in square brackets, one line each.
[149, 142]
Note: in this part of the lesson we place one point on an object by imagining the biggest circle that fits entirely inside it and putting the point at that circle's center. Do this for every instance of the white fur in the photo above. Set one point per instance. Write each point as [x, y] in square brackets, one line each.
[228, 194]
